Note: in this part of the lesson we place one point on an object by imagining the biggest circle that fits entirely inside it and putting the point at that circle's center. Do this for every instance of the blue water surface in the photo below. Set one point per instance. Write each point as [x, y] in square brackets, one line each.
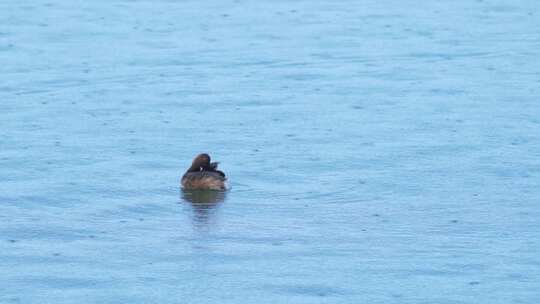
[378, 151]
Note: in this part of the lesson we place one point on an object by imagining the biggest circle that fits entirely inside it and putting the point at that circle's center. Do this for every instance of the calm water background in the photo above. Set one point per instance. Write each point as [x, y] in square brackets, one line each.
[379, 151]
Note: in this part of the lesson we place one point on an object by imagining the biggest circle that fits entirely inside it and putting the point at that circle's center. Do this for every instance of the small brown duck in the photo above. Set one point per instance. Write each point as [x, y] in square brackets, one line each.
[204, 175]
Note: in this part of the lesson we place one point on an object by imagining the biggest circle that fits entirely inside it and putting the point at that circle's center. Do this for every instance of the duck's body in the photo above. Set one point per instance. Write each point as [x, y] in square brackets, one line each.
[203, 180]
[203, 175]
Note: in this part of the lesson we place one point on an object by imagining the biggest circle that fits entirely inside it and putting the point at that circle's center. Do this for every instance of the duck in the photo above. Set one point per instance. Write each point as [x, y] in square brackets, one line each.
[204, 175]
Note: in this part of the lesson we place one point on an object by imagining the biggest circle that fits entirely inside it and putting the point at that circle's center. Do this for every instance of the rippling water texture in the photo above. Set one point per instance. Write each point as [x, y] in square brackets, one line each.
[378, 151]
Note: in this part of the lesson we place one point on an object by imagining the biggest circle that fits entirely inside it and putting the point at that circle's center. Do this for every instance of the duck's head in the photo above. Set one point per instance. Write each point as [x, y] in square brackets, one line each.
[200, 161]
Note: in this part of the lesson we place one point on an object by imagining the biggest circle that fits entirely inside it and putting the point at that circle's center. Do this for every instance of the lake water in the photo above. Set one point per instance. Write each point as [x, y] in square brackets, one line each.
[378, 151]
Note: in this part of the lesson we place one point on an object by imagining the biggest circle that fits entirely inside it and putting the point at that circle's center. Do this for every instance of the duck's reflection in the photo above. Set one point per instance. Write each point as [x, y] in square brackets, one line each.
[204, 204]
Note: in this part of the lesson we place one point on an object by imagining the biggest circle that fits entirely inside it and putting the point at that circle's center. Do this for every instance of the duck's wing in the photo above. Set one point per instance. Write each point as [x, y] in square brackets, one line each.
[204, 174]
[213, 174]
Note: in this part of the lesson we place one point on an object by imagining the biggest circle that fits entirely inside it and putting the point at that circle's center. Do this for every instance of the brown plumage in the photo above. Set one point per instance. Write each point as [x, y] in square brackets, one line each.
[204, 175]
